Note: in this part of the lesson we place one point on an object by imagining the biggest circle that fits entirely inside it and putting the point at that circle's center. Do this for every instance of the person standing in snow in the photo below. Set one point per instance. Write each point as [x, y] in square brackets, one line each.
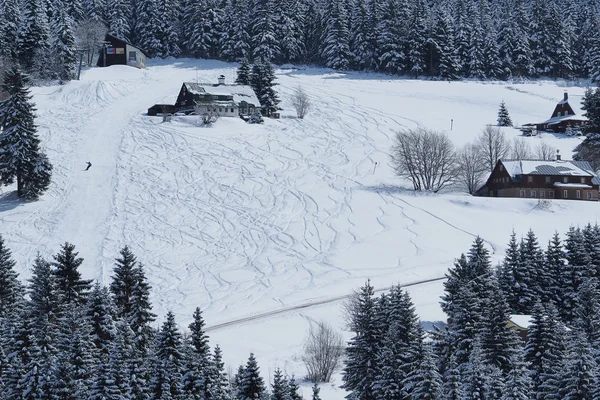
[89, 164]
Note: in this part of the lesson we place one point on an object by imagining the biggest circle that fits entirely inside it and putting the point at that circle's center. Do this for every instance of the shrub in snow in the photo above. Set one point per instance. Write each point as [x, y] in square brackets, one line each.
[256, 118]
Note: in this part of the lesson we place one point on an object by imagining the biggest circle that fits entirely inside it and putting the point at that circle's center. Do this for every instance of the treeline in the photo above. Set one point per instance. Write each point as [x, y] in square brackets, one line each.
[63, 337]
[477, 355]
[443, 39]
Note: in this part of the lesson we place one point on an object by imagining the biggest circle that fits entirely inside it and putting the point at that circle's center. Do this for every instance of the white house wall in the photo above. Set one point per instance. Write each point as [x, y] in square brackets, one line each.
[140, 57]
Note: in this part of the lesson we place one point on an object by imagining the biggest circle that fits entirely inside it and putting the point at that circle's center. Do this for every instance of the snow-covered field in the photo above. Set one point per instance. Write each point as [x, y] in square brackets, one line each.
[243, 220]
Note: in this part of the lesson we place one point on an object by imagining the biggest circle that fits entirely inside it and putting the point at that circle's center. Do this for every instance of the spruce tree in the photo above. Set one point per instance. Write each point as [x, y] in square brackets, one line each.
[243, 73]
[279, 388]
[140, 317]
[9, 28]
[168, 362]
[425, 382]
[63, 44]
[11, 290]
[417, 39]
[315, 392]
[71, 288]
[100, 315]
[235, 42]
[335, 48]
[518, 383]
[506, 272]
[251, 385]
[22, 159]
[451, 381]
[555, 265]
[124, 281]
[294, 389]
[44, 304]
[33, 34]
[199, 376]
[264, 41]
[577, 380]
[221, 390]
[503, 117]
[362, 45]
[443, 42]
[118, 17]
[391, 57]
[262, 80]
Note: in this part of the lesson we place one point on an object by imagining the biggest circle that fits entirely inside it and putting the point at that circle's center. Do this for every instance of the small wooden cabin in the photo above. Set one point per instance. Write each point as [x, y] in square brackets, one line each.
[563, 117]
[117, 51]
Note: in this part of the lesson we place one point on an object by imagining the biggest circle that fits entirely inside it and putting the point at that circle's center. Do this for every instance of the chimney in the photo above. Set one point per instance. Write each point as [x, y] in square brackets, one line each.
[558, 151]
[221, 79]
[566, 96]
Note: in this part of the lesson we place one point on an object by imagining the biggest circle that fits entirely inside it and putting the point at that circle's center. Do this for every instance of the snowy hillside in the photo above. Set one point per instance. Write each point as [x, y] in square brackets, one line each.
[243, 219]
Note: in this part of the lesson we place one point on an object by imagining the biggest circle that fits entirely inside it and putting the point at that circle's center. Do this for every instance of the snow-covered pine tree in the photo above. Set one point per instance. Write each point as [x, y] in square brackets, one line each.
[71, 288]
[587, 312]
[221, 385]
[168, 362]
[360, 366]
[71, 373]
[131, 369]
[575, 272]
[262, 80]
[530, 274]
[237, 381]
[591, 235]
[104, 383]
[22, 159]
[521, 52]
[166, 30]
[475, 376]
[499, 343]
[476, 40]
[243, 73]
[251, 385]
[9, 28]
[294, 389]
[200, 22]
[315, 392]
[540, 39]
[416, 44]
[33, 32]
[117, 16]
[462, 37]
[44, 304]
[335, 42]
[96, 10]
[63, 44]
[506, 271]
[312, 31]
[518, 383]
[446, 65]
[100, 315]
[452, 382]
[554, 265]
[198, 376]
[491, 53]
[148, 27]
[362, 43]
[577, 377]
[11, 290]
[264, 38]
[279, 387]
[544, 351]
[503, 116]
[235, 38]
[425, 382]
[391, 57]
[140, 317]
[124, 281]
[289, 20]
[560, 34]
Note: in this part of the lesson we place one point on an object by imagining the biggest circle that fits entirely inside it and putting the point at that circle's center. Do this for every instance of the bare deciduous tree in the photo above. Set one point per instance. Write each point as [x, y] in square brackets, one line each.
[323, 352]
[301, 102]
[471, 169]
[544, 151]
[521, 150]
[205, 117]
[492, 146]
[424, 157]
[89, 36]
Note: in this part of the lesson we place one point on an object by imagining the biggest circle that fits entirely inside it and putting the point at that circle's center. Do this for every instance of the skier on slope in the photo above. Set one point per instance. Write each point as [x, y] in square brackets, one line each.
[89, 164]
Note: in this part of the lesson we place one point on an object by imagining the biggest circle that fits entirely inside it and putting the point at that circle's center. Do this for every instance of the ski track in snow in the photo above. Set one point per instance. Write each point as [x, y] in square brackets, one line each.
[225, 220]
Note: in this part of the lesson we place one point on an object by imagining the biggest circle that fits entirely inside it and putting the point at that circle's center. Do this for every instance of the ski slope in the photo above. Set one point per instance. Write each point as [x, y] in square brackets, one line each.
[254, 223]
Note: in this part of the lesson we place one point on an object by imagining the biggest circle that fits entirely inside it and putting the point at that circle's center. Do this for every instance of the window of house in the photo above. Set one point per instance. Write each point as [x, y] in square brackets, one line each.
[566, 179]
[559, 113]
[547, 179]
[220, 109]
[589, 195]
[582, 180]
[522, 193]
[500, 193]
[542, 194]
[232, 110]
[565, 194]
[530, 179]
[532, 193]
[132, 56]
[501, 167]
[551, 194]
[578, 194]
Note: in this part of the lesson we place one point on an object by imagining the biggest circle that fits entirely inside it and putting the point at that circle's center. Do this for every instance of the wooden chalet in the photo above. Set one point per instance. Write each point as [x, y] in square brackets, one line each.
[569, 180]
[218, 99]
[521, 324]
[563, 117]
[117, 51]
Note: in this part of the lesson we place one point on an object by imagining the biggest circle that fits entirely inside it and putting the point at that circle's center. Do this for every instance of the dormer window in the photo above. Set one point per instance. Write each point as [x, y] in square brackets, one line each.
[559, 113]
[566, 179]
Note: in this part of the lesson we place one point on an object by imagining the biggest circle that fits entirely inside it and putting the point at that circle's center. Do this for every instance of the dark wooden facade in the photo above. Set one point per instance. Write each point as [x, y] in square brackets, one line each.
[160, 109]
[552, 186]
[116, 51]
[563, 117]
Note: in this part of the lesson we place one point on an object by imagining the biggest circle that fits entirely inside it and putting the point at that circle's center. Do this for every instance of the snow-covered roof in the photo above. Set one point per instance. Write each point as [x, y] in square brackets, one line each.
[540, 167]
[573, 185]
[239, 92]
[558, 120]
[522, 321]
